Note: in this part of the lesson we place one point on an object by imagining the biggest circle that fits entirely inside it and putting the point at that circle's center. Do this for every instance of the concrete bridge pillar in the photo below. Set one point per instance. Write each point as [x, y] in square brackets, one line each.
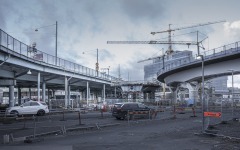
[69, 95]
[38, 87]
[44, 91]
[104, 92]
[11, 96]
[30, 93]
[66, 91]
[193, 92]
[87, 92]
[174, 91]
[19, 96]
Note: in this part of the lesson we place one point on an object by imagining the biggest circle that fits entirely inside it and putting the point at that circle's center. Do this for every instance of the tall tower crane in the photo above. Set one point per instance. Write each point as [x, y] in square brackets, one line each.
[181, 28]
[188, 43]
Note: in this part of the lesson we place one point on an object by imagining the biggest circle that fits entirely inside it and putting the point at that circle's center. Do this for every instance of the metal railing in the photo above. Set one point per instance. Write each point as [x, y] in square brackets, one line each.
[14, 45]
[210, 54]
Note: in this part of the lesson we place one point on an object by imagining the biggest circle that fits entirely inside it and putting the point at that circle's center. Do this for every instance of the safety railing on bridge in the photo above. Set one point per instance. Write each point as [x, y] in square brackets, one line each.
[12, 44]
[210, 54]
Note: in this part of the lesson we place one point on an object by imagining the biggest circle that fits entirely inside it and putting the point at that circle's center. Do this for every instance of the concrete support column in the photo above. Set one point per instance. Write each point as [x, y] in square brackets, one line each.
[30, 93]
[53, 93]
[38, 87]
[66, 92]
[69, 95]
[87, 92]
[19, 96]
[104, 92]
[115, 92]
[11, 96]
[78, 99]
[44, 91]
[174, 91]
[193, 92]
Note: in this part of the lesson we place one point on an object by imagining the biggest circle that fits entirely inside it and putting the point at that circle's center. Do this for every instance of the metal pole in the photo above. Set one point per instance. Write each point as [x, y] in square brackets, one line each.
[203, 99]
[87, 92]
[198, 45]
[56, 45]
[97, 65]
[232, 95]
[104, 92]
[0, 37]
[38, 86]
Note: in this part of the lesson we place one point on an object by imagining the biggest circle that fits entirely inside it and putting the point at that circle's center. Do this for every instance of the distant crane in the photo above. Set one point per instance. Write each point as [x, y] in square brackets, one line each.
[188, 43]
[181, 28]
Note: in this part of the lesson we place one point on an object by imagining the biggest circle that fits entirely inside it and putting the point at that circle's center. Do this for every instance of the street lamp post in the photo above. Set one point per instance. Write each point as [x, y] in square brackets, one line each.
[97, 65]
[232, 96]
[202, 93]
[232, 93]
[56, 44]
[55, 39]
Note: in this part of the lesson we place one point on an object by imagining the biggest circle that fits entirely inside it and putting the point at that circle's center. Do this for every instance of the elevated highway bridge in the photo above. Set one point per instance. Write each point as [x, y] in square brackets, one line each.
[24, 66]
[217, 62]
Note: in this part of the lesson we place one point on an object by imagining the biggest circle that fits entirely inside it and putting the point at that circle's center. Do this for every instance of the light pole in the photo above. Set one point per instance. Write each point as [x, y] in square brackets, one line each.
[97, 64]
[232, 92]
[202, 93]
[55, 38]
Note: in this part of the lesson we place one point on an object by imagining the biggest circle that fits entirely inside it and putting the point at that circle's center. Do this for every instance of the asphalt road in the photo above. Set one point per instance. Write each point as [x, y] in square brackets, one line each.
[169, 134]
[49, 123]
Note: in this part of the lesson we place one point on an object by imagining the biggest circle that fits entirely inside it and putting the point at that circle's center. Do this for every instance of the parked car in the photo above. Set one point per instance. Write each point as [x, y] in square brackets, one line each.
[120, 110]
[30, 107]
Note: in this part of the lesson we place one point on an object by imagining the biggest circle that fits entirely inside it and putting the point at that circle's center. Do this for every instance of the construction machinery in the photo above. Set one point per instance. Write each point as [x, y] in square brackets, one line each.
[188, 43]
[181, 28]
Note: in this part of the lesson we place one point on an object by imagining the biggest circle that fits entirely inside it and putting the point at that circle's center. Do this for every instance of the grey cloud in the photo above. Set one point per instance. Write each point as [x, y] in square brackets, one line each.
[150, 10]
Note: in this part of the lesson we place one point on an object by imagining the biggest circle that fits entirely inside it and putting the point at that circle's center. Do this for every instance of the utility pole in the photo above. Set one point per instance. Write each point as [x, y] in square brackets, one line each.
[56, 44]
[97, 65]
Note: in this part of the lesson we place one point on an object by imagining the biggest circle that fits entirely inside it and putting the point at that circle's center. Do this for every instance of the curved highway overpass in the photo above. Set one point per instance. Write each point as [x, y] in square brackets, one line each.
[216, 62]
[17, 59]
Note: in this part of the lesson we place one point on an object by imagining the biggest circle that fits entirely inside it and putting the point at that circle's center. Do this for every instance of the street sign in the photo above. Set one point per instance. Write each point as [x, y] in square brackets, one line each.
[213, 114]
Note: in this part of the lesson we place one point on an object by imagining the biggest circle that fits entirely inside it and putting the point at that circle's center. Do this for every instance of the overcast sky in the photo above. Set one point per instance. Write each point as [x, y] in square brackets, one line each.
[87, 25]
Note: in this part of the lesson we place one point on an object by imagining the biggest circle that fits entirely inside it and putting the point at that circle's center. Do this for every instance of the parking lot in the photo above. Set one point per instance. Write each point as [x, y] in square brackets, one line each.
[96, 130]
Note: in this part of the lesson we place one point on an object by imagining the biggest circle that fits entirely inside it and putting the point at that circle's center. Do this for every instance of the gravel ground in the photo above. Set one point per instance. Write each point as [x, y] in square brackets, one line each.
[183, 133]
[229, 136]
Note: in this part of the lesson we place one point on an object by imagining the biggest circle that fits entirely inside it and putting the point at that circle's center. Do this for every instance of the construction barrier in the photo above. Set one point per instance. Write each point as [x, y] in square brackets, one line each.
[180, 110]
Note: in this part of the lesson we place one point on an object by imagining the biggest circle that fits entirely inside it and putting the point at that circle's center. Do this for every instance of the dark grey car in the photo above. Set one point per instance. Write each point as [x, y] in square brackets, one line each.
[121, 110]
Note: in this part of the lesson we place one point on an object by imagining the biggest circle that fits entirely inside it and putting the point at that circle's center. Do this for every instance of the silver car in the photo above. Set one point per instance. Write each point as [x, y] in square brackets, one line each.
[30, 107]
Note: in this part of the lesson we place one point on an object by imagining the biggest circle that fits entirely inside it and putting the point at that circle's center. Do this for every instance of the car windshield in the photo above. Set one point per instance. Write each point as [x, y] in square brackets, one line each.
[26, 104]
[117, 105]
[43, 103]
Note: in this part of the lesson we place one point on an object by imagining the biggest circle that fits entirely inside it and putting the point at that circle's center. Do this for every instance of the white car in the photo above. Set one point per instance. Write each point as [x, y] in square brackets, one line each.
[30, 107]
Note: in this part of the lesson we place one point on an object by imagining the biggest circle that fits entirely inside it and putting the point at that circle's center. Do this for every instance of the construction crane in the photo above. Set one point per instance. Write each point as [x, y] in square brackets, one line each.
[151, 58]
[153, 42]
[181, 28]
[188, 43]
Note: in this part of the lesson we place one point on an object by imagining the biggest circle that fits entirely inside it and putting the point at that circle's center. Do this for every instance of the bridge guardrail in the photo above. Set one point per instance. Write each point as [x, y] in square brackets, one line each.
[10, 43]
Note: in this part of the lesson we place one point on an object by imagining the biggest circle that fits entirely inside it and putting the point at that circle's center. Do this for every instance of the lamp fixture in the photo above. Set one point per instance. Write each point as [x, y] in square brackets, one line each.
[29, 72]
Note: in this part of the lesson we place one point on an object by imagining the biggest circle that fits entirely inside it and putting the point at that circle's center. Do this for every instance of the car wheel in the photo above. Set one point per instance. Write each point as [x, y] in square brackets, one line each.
[14, 112]
[118, 118]
[40, 112]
